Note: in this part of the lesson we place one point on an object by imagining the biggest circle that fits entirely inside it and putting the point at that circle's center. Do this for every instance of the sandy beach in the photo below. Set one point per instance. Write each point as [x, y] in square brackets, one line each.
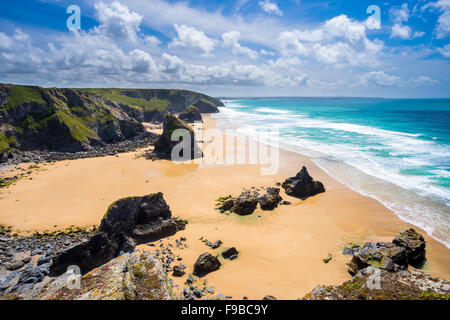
[281, 251]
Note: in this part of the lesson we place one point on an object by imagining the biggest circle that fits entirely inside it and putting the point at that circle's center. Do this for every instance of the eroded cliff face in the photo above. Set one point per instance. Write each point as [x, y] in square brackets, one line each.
[71, 120]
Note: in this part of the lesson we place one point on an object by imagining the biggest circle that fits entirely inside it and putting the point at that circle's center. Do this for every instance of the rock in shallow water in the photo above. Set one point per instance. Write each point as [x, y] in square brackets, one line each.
[302, 185]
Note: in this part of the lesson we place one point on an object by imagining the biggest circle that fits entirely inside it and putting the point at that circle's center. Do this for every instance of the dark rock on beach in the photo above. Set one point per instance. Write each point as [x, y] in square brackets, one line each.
[174, 128]
[246, 203]
[414, 243]
[127, 223]
[230, 253]
[206, 263]
[406, 249]
[271, 199]
[302, 185]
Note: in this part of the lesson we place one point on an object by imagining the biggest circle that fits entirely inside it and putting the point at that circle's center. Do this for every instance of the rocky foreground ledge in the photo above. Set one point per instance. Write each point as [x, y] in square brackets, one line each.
[381, 273]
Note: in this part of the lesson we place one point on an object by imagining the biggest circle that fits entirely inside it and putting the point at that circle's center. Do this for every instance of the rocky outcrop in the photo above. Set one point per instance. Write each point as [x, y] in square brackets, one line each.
[127, 223]
[70, 120]
[191, 114]
[132, 276]
[373, 284]
[414, 244]
[205, 106]
[206, 263]
[174, 132]
[390, 256]
[246, 203]
[302, 185]
[271, 199]
[66, 120]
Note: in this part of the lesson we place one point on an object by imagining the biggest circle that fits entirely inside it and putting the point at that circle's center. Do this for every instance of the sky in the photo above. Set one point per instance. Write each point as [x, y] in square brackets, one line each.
[240, 48]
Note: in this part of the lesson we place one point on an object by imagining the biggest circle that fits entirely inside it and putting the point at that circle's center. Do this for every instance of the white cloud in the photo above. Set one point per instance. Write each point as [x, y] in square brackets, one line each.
[152, 41]
[339, 40]
[443, 26]
[266, 53]
[445, 51]
[231, 40]
[400, 14]
[270, 7]
[141, 61]
[191, 37]
[379, 78]
[401, 31]
[118, 22]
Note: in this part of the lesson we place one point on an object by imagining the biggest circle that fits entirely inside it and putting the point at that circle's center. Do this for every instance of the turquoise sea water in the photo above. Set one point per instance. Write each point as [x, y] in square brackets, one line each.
[396, 151]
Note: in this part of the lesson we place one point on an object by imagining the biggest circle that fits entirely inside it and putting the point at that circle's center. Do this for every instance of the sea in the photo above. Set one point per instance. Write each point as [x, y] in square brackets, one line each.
[396, 151]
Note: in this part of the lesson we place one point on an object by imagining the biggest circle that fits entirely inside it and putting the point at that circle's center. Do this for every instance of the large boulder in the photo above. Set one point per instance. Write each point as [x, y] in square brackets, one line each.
[302, 185]
[127, 223]
[205, 264]
[175, 131]
[270, 199]
[246, 203]
[191, 114]
[406, 249]
[414, 243]
[384, 255]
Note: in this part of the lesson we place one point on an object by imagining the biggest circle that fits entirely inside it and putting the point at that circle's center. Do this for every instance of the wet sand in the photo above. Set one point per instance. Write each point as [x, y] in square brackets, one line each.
[281, 251]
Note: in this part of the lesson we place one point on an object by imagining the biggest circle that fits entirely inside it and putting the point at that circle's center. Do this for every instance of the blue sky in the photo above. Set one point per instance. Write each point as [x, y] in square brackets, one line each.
[232, 48]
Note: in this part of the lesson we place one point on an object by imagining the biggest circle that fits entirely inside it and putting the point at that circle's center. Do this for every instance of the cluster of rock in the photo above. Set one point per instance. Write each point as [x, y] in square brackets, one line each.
[406, 249]
[28, 258]
[302, 185]
[127, 223]
[175, 131]
[401, 285]
[248, 201]
[141, 140]
[132, 276]
[200, 291]
[380, 272]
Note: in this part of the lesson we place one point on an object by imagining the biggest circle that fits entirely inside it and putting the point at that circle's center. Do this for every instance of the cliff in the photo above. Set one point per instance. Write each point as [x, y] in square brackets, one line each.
[72, 120]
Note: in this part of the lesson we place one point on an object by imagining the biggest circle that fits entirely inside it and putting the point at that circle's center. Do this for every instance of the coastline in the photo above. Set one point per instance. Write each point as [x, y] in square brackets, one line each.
[280, 253]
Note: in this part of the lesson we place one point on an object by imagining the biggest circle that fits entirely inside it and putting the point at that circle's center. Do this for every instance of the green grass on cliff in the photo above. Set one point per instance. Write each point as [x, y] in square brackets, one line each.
[117, 95]
[6, 142]
[21, 94]
[78, 129]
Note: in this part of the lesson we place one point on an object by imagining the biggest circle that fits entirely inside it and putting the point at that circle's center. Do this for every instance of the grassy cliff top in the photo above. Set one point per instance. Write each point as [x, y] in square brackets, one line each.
[25, 110]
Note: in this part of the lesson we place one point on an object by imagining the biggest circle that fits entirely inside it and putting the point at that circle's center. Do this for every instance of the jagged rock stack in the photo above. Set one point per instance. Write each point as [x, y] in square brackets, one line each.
[302, 185]
[127, 223]
[176, 129]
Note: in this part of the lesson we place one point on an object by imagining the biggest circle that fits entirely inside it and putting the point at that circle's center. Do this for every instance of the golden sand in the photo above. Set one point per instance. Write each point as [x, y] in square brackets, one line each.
[281, 251]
